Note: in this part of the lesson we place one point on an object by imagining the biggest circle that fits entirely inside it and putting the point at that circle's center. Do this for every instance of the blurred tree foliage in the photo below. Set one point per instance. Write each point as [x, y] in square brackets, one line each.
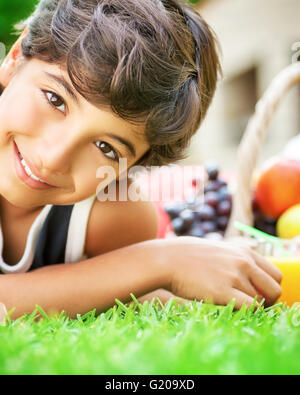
[12, 11]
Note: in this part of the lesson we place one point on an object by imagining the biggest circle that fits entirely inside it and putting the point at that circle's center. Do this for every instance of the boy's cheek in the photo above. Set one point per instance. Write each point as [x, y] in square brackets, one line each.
[18, 114]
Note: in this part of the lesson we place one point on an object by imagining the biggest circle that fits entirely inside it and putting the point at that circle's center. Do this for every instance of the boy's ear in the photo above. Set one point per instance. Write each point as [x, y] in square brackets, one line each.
[12, 60]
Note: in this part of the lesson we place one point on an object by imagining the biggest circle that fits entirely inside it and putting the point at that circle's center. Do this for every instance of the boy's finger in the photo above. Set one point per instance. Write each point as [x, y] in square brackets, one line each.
[242, 299]
[265, 285]
[250, 290]
[272, 270]
[181, 301]
[3, 312]
[164, 296]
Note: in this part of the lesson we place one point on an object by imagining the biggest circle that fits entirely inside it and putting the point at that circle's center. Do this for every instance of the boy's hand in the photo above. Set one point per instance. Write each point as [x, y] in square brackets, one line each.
[218, 272]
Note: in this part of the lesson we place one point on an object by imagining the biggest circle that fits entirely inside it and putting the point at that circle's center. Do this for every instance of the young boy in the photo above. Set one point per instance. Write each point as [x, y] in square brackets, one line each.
[90, 82]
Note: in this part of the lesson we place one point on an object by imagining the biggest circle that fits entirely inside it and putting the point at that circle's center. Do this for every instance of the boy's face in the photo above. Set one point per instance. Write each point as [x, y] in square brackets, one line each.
[59, 134]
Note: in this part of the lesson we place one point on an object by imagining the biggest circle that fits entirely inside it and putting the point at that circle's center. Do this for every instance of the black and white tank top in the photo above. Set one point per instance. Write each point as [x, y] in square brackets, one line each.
[57, 235]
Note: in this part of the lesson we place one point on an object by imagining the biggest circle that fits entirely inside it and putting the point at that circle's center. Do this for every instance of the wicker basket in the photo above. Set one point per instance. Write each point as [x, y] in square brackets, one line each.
[250, 147]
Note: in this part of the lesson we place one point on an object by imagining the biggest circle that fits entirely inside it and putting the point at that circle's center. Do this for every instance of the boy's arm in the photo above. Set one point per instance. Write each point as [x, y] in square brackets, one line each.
[187, 266]
[94, 283]
[113, 225]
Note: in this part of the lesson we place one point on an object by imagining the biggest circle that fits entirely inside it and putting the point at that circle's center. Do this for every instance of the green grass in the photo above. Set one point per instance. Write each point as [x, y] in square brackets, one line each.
[146, 339]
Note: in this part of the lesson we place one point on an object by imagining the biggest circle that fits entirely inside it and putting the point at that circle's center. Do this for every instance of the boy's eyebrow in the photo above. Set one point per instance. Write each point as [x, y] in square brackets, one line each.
[67, 87]
[123, 141]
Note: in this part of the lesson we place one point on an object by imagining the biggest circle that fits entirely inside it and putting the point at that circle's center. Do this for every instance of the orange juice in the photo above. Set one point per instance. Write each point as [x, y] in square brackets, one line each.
[290, 268]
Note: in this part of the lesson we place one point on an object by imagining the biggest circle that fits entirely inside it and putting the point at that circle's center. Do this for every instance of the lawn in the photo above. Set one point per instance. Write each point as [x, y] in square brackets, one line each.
[194, 338]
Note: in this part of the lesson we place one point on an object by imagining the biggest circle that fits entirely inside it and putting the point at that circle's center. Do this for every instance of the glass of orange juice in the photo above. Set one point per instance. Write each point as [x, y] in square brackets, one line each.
[288, 262]
[283, 253]
[290, 268]
[286, 256]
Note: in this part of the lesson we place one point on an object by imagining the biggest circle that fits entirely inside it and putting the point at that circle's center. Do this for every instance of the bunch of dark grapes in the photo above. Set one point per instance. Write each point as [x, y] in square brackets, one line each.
[262, 222]
[207, 216]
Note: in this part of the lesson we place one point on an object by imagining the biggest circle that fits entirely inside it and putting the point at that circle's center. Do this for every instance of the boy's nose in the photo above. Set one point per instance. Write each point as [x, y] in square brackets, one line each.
[56, 159]
[56, 155]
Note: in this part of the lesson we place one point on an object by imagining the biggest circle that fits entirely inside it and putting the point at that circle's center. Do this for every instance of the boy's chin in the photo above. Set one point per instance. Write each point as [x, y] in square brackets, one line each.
[21, 204]
[16, 195]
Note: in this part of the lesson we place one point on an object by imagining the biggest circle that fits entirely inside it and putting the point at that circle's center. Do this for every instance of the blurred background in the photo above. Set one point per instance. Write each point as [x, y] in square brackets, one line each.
[258, 40]
[11, 12]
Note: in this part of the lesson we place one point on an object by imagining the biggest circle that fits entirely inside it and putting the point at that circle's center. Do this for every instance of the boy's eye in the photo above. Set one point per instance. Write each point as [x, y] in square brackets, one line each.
[108, 150]
[56, 101]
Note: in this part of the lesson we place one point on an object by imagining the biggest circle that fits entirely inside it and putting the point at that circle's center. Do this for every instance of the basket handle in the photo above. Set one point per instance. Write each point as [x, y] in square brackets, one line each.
[251, 144]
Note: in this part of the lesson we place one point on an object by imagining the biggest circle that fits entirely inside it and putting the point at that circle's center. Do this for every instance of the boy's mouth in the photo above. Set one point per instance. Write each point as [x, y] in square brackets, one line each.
[25, 173]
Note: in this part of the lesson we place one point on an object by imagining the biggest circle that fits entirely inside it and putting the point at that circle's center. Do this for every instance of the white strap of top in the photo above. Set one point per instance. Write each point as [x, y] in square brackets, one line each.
[25, 263]
[77, 230]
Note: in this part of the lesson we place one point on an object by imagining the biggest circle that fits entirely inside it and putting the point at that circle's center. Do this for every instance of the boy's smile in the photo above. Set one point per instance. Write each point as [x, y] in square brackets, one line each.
[62, 138]
[26, 174]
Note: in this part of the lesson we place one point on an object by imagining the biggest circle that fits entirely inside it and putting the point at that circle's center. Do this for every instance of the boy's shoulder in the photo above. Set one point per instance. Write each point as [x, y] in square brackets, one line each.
[114, 225]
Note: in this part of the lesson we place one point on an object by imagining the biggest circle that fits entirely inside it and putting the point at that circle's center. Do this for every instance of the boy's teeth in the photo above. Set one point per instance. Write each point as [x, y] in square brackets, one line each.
[28, 171]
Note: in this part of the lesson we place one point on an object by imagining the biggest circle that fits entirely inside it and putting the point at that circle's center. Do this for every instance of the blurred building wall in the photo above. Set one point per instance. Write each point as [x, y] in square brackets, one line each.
[256, 38]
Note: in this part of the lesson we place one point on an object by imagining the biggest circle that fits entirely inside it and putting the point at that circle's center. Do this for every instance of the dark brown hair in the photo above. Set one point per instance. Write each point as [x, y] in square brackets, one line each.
[150, 61]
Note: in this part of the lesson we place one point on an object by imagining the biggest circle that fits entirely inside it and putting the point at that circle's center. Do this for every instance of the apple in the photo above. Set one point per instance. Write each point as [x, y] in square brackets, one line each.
[278, 186]
[288, 225]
